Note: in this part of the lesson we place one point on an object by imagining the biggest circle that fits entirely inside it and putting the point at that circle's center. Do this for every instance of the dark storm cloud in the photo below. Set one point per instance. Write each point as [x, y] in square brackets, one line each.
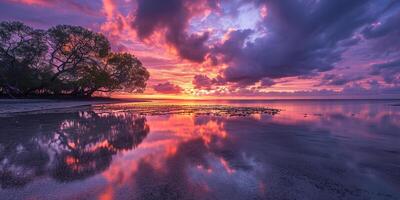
[390, 25]
[338, 79]
[86, 7]
[385, 33]
[38, 14]
[302, 38]
[172, 16]
[167, 88]
[267, 82]
[204, 82]
[390, 71]
[233, 46]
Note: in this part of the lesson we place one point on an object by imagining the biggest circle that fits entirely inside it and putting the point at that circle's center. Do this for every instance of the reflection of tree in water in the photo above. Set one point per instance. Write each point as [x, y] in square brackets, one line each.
[65, 146]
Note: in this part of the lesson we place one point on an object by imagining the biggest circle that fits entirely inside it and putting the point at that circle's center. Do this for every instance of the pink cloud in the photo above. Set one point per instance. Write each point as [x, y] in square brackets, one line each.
[83, 7]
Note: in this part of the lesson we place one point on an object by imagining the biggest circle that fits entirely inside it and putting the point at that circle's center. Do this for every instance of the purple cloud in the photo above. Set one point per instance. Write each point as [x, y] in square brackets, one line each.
[167, 88]
[172, 16]
[204, 82]
[338, 79]
[301, 39]
[45, 13]
[390, 71]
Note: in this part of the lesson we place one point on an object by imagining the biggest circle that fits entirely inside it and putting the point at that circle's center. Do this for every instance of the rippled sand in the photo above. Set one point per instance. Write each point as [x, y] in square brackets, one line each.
[212, 110]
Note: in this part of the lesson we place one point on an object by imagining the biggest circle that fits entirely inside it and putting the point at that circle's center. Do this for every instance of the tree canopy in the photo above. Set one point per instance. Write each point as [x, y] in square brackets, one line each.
[64, 61]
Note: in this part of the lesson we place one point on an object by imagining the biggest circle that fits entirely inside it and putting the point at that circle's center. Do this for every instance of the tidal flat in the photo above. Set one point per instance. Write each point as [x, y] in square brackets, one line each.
[286, 149]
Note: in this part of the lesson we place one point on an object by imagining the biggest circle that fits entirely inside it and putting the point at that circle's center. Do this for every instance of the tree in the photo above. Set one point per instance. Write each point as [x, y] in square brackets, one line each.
[127, 73]
[22, 50]
[73, 52]
[64, 60]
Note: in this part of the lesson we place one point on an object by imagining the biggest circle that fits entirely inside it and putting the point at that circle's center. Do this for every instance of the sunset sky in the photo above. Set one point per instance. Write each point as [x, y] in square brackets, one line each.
[243, 48]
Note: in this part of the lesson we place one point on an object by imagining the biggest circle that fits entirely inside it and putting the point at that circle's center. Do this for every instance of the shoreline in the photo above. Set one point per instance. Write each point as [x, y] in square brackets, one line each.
[21, 106]
[14, 106]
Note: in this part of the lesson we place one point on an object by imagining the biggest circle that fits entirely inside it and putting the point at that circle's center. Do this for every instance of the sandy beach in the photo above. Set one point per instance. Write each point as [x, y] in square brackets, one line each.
[9, 106]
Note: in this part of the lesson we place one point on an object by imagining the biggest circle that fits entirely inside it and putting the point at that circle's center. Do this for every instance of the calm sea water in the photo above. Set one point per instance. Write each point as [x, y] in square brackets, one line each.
[347, 149]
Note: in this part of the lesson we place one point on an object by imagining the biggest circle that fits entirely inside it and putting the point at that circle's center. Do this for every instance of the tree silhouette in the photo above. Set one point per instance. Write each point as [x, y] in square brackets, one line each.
[64, 60]
[22, 51]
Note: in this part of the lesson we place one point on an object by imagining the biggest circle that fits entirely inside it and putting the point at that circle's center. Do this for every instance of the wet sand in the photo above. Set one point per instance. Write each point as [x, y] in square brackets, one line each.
[197, 110]
[11, 106]
[341, 150]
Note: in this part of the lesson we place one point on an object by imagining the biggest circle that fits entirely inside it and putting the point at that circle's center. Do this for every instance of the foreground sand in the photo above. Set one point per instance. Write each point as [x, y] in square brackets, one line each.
[342, 150]
[8, 106]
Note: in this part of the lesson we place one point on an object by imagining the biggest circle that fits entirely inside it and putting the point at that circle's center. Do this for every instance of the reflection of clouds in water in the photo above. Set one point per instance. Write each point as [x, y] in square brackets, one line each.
[193, 172]
[303, 111]
[334, 155]
[193, 166]
[344, 118]
[313, 160]
[261, 158]
[65, 146]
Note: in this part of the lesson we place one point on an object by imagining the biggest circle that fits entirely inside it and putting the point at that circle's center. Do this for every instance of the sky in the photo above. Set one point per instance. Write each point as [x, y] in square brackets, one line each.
[242, 48]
